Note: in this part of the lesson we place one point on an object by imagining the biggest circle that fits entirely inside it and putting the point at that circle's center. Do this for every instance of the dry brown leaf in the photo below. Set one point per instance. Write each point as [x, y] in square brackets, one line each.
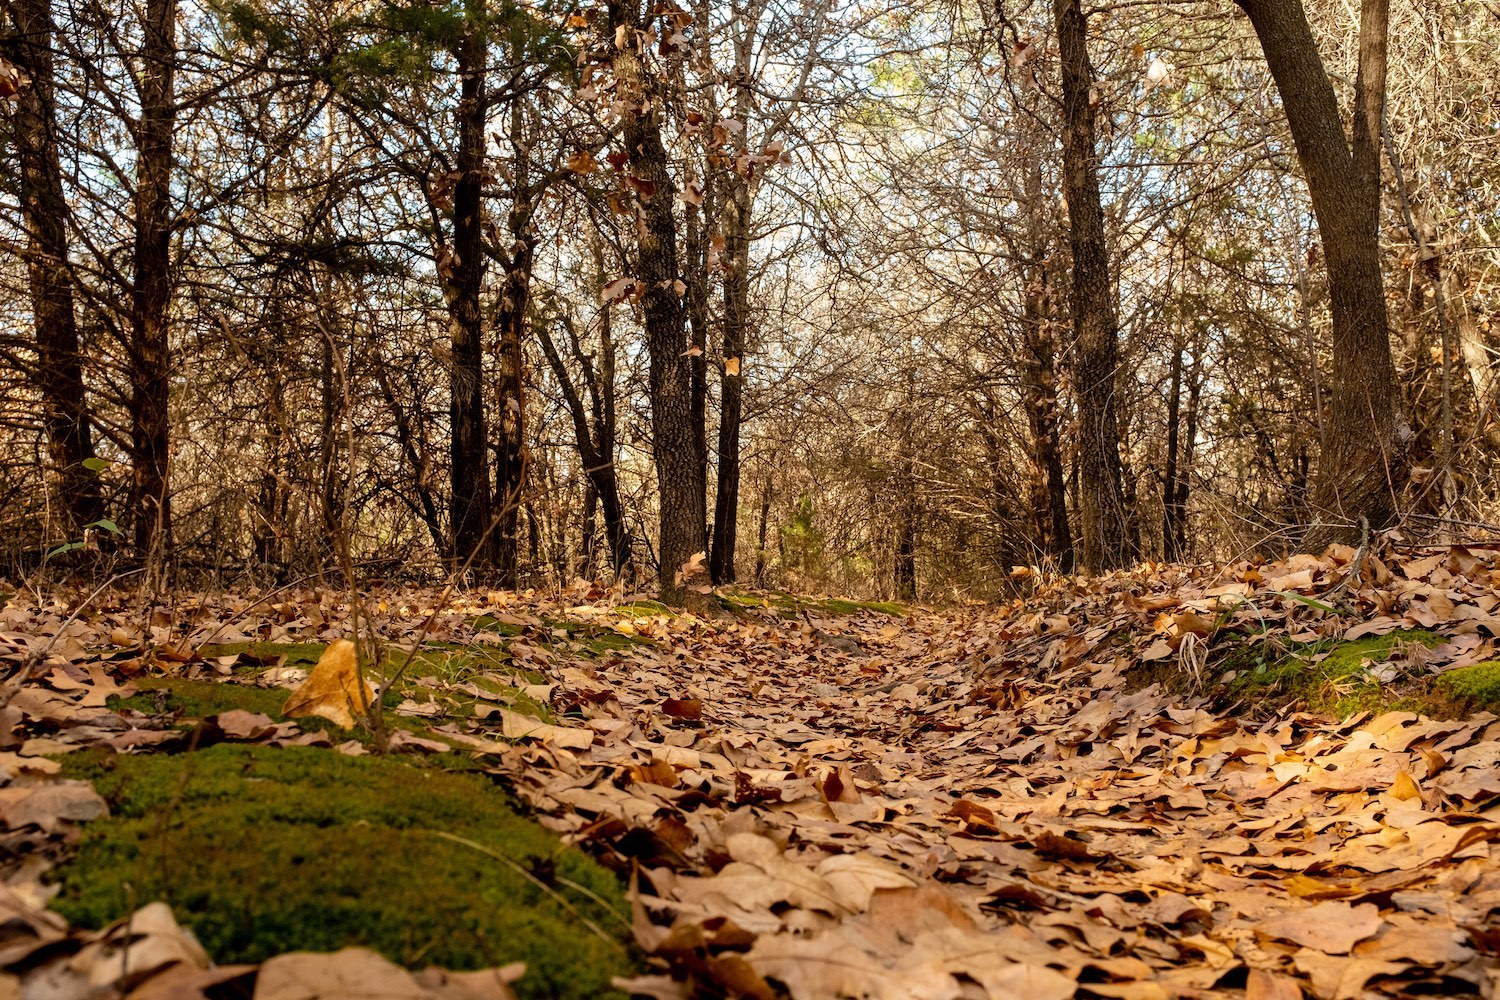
[1263, 985]
[51, 805]
[1332, 927]
[333, 690]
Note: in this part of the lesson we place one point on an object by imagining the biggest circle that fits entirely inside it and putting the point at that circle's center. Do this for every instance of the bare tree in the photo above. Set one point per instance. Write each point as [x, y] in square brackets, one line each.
[1361, 467]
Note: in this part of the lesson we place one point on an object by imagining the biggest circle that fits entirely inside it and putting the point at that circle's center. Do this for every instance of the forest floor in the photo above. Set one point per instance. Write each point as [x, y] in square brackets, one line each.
[1261, 780]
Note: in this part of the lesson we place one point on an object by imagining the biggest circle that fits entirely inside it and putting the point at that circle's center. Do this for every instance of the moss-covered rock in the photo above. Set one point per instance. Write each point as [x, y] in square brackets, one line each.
[262, 851]
[1477, 685]
[1341, 678]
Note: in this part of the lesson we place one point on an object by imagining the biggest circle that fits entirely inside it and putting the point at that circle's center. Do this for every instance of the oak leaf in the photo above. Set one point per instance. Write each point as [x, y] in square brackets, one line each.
[333, 690]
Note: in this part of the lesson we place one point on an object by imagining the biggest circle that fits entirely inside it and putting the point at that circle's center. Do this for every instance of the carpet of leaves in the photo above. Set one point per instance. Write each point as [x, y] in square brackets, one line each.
[973, 802]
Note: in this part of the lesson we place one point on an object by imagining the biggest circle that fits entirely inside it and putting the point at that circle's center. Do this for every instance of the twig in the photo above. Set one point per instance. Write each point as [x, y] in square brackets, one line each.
[528, 876]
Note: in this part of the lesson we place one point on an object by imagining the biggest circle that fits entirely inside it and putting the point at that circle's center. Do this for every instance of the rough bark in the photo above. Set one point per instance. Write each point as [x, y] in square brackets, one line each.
[1361, 466]
[1049, 501]
[680, 477]
[464, 269]
[515, 297]
[151, 291]
[1106, 542]
[59, 373]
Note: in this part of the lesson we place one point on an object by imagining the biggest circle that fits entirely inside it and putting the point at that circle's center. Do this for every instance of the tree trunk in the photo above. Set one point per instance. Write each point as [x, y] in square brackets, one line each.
[695, 277]
[1049, 502]
[1171, 513]
[44, 208]
[1189, 440]
[463, 271]
[151, 291]
[1096, 353]
[767, 494]
[515, 297]
[736, 228]
[680, 477]
[906, 542]
[1361, 467]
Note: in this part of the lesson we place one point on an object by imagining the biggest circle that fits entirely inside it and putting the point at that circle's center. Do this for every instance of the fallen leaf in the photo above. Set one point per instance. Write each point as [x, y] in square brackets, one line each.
[333, 690]
[1332, 927]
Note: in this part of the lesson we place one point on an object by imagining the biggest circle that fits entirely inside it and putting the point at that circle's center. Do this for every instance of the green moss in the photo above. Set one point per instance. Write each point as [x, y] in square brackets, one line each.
[842, 607]
[609, 640]
[190, 699]
[1331, 677]
[1477, 685]
[263, 851]
[489, 623]
[485, 667]
[644, 609]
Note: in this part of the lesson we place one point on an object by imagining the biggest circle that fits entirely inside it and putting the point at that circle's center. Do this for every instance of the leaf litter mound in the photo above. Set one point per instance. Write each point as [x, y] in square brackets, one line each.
[979, 802]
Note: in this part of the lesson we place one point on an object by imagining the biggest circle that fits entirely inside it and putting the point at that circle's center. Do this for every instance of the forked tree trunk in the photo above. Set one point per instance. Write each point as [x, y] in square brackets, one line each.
[151, 291]
[59, 372]
[1106, 539]
[595, 445]
[1361, 467]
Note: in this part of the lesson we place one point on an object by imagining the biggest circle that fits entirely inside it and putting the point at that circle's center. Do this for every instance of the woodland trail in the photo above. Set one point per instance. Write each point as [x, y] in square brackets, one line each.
[914, 819]
[819, 799]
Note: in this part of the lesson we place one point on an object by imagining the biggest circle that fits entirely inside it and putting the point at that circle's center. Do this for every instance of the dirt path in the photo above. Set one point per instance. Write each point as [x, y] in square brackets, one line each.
[888, 807]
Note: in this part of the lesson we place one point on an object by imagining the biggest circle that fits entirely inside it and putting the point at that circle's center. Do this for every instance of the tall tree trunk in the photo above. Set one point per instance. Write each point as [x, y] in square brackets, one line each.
[1361, 467]
[44, 208]
[767, 494]
[906, 539]
[1171, 513]
[695, 277]
[1048, 488]
[739, 200]
[1049, 502]
[680, 477]
[151, 291]
[463, 268]
[515, 298]
[1189, 441]
[1106, 542]
[510, 463]
[736, 229]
